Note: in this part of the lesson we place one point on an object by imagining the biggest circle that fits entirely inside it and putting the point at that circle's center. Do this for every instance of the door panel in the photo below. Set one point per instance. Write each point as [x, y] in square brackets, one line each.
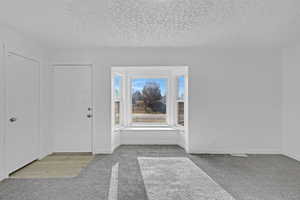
[72, 100]
[22, 136]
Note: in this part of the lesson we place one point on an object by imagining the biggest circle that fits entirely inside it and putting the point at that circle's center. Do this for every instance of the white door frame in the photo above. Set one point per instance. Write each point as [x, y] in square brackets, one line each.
[3, 109]
[91, 66]
[39, 153]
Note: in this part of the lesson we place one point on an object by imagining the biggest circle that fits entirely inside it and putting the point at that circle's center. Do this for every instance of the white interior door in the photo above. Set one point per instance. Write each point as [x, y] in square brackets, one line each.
[72, 109]
[22, 136]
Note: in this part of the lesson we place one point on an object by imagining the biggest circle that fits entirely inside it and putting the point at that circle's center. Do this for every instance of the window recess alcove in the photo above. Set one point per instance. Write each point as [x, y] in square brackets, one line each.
[149, 105]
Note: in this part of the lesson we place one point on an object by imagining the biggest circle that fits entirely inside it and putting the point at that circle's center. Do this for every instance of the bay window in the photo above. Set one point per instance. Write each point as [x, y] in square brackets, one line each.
[148, 97]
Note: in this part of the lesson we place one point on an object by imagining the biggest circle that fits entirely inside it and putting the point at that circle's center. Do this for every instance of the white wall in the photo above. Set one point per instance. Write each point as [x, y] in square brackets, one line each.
[291, 102]
[237, 101]
[234, 95]
[23, 45]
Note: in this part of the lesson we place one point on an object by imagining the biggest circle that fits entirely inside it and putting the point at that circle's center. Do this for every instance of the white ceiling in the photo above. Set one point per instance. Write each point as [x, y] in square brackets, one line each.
[97, 23]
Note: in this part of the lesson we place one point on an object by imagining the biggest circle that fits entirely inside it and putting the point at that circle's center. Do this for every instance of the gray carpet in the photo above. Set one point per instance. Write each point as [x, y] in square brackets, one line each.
[257, 177]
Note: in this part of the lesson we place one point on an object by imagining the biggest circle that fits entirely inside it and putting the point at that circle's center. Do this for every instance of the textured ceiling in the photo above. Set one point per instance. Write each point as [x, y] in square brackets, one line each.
[94, 23]
[143, 19]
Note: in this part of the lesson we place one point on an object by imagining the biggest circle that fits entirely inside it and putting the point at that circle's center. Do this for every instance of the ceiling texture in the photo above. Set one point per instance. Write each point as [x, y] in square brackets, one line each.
[139, 23]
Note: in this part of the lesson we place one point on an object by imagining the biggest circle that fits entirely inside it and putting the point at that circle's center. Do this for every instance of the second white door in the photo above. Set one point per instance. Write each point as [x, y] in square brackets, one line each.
[22, 136]
[72, 109]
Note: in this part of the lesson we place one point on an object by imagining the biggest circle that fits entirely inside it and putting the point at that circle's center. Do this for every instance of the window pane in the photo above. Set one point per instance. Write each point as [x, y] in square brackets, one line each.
[149, 100]
[117, 85]
[181, 88]
[180, 113]
[117, 112]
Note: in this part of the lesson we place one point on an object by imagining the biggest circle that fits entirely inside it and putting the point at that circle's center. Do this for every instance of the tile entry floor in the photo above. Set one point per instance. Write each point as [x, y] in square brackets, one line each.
[59, 165]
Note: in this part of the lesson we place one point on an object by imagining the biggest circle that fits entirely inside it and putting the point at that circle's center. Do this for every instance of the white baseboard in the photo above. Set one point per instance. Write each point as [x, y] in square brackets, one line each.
[43, 155]
[2, 177]
[293, 156]
[115, 140]
[102, 151]
[235, 151]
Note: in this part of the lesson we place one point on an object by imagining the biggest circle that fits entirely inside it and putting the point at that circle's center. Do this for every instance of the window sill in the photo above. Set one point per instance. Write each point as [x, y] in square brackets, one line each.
[149, 128]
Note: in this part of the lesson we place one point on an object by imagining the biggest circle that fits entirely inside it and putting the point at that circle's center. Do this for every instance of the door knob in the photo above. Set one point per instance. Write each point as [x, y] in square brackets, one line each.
[89, 116]
[13, 119]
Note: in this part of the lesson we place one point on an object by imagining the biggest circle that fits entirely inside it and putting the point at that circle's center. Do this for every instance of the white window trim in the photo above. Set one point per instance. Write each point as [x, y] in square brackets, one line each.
[178, 100]
[131, 72]
[115, 99]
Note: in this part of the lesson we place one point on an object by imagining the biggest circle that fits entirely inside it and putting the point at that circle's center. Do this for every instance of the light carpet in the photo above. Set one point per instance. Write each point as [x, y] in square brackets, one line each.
[167, 178]
[114, 181]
